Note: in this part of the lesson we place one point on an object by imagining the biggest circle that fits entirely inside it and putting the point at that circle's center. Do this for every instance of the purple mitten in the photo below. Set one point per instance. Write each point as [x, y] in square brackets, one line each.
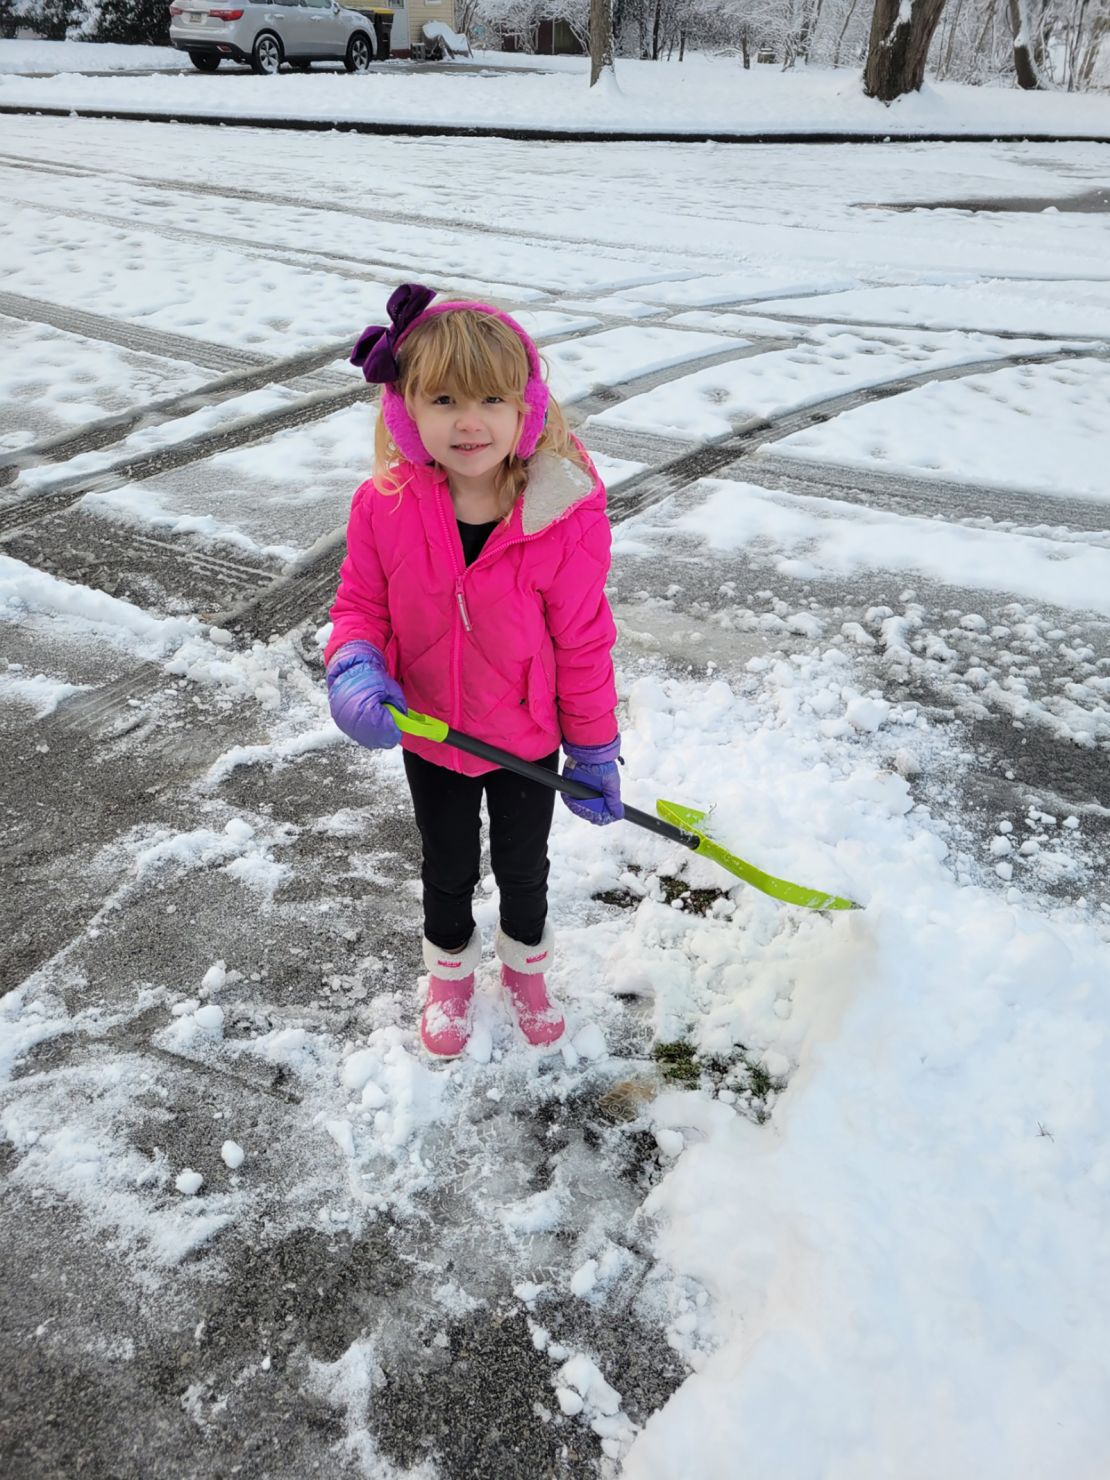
[358, 688]
[595, 765]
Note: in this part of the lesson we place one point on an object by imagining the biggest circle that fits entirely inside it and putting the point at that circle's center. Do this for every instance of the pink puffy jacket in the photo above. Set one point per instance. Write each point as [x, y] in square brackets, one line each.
[514, 649]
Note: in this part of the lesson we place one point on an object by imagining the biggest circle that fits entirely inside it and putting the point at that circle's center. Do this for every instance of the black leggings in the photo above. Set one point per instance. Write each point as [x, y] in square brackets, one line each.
[447, 808]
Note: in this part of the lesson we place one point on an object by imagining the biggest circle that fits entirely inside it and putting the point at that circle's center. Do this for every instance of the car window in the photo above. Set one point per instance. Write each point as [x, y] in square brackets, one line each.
[318, 4]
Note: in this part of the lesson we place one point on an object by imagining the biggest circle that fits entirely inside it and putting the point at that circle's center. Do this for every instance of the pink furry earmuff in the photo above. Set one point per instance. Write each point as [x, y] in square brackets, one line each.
[376, 354]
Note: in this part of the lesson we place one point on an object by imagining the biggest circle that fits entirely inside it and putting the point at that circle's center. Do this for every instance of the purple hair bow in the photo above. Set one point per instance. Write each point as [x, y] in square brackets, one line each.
[376, 350]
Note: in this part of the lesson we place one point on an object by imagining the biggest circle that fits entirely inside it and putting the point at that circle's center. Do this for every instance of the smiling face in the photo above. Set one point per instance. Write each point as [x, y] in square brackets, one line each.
[468, 436]
[463, 377]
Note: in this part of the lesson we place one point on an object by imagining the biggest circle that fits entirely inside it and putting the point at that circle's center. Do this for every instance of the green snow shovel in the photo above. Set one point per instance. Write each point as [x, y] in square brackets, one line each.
[678, 824]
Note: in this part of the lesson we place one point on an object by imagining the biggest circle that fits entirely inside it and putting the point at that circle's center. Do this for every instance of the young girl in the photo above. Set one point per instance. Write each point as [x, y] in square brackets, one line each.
[474, 590]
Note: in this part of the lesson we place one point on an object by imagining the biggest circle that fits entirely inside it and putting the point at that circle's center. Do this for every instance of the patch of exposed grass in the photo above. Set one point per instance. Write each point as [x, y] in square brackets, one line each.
[677, 1061]
[673, 887]
[741, 1074]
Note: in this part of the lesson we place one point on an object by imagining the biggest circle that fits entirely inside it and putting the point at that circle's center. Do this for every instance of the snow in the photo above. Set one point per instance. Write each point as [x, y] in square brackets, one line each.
[613, 355]
[987, 429]
[85, 56]
[38, 691]
[830, 361]
[1067, 308]
[828, 1268]
[702, 94]
[100, 378]
[24, 589]
[823, 538]
[874, 1241]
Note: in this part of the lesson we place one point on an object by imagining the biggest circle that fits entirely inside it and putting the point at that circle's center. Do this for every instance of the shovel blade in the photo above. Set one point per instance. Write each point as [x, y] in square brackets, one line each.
[690, 820]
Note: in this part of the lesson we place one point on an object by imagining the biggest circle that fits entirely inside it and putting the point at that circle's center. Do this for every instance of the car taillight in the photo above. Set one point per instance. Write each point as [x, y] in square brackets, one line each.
[176, 10]
[226, 15]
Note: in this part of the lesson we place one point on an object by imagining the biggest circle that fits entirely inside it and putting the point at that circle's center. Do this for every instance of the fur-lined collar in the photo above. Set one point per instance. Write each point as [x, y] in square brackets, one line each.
[555, 484]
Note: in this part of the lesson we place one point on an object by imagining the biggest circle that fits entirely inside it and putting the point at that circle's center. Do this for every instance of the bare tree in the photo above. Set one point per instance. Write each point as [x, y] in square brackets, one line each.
[804, 23]
[601, 39]
[849, 13]
[901, 31]
[1098, 38]
[1026, 34]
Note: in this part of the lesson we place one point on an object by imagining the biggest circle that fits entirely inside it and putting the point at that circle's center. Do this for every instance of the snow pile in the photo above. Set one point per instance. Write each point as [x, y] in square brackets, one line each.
[922, 1215]
[38, 691]
[923, 1220]
[25, 590]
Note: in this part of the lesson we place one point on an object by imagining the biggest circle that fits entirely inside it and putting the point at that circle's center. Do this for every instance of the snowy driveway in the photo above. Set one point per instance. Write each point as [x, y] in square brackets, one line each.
[826, 1196]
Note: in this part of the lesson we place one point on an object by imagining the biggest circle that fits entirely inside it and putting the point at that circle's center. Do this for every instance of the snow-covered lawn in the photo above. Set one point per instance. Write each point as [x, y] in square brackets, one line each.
[869, 1230]
[86, 56]
[701, 94]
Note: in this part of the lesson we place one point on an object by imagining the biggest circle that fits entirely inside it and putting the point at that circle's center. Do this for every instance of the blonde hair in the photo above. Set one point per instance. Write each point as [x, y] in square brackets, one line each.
[469, 354]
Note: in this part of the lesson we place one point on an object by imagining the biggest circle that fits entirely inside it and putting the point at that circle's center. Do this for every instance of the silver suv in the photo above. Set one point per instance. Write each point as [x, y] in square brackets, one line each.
[299, 32]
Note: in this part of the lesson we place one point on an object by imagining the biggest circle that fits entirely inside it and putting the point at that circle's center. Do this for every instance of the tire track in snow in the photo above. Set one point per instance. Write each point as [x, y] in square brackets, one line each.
[286, 601]
[449, 224]
[115, 428]
[166, 345]
[650, 488]
[47, 552]
[228, 438]
[930, 498]
[810, 321]
[294, 598]
[360, 269]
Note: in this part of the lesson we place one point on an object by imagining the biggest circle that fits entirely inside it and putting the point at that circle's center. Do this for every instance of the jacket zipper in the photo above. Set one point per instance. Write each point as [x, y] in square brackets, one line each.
[460, 601]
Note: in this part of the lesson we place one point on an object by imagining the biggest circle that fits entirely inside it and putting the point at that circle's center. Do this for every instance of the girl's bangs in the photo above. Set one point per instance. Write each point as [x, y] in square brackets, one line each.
[467, 355]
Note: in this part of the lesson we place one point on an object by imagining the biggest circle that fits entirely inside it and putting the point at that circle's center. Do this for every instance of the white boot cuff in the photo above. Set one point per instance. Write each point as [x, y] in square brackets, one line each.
[451, 966]
[527, 959]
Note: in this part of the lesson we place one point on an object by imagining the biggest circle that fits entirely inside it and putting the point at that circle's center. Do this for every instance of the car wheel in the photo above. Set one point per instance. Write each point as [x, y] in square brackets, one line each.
[266, 55]
[204, 61]
[359, 55]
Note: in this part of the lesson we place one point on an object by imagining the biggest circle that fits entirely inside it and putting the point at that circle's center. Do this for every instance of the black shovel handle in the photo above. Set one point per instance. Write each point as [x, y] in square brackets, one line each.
[555, 782]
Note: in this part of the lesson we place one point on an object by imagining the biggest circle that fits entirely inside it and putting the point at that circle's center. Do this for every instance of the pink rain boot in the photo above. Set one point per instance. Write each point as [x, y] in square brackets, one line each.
[522, 969]
[445, 1021]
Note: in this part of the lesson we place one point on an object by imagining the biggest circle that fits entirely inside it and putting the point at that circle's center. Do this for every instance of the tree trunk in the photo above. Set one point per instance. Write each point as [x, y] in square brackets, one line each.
[601, 38]
[656, 23]
[948, 43]
[745, 49]
[1024, 65]
[1099, 32]
[988, 21]
[843, 32]
[901, 31]
[810, 16]
[1074, 37]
